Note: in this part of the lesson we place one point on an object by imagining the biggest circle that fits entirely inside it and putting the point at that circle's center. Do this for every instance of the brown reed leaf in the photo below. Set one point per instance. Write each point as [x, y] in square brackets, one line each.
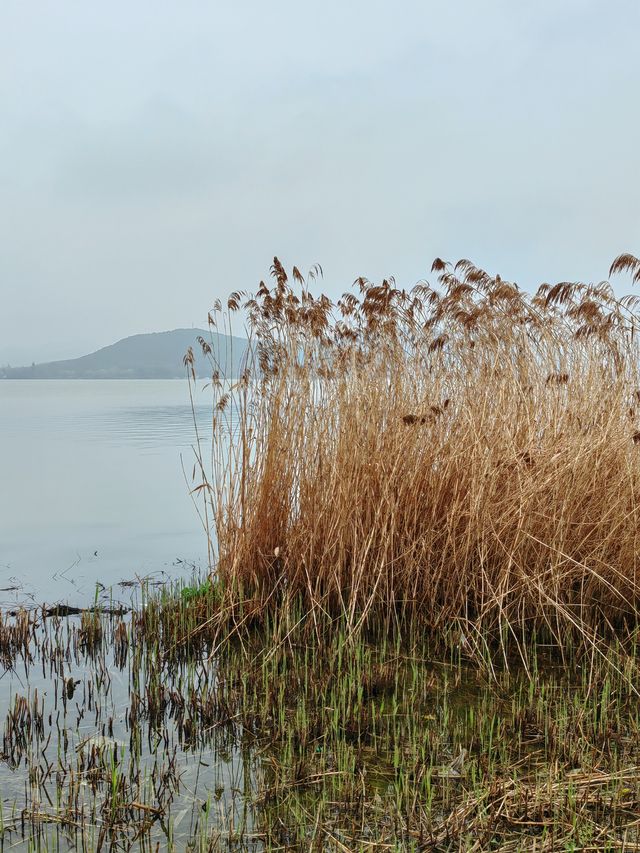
[557, 378]
[438, 343]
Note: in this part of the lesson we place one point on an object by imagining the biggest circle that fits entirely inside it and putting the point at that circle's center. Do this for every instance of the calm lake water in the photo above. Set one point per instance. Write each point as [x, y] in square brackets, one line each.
[93, 492]
[93, 489]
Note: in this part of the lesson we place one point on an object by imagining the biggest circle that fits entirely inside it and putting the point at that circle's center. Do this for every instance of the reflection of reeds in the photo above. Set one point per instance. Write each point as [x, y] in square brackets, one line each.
[463, 450]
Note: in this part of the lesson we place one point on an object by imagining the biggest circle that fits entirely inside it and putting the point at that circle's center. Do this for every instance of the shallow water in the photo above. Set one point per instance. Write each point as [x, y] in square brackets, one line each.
[93, 488]
[96, 478]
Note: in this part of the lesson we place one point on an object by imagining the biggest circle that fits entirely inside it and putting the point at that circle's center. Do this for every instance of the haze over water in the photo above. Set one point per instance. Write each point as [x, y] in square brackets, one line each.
[95, 466]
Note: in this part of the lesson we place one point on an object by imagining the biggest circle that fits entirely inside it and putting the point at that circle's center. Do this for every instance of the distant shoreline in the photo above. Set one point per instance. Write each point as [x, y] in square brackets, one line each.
[157, 355]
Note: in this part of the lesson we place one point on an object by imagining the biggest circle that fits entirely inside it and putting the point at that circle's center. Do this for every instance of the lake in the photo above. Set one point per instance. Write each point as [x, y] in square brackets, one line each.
[93, 489]
[95, 496]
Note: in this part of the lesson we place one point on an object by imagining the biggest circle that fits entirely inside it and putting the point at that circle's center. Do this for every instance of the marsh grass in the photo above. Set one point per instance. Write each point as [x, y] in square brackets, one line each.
[459, 455]
[288, 731]
[389, 741]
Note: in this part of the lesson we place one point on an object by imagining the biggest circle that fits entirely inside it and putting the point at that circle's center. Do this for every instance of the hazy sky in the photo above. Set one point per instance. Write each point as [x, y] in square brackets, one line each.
[156, 155]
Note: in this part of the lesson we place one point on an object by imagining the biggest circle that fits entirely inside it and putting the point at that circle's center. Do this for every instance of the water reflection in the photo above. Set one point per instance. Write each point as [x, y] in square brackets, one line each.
[149, 426]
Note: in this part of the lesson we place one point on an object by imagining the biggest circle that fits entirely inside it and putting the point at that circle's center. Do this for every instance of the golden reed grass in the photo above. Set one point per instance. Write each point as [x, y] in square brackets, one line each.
[457, 451]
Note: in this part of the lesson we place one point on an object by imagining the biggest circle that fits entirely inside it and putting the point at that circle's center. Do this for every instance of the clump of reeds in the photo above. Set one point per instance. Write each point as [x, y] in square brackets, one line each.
[461, 451]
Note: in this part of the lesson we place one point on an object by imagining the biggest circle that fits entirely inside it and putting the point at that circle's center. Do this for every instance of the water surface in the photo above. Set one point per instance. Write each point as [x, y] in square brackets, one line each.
[93, 484]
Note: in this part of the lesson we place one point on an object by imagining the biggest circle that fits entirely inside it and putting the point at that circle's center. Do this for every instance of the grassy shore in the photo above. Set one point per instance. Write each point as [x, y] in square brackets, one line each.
[391, 740]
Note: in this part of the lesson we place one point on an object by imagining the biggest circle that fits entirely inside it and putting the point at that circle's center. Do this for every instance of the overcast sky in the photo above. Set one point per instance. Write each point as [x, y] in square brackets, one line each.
[156, 155]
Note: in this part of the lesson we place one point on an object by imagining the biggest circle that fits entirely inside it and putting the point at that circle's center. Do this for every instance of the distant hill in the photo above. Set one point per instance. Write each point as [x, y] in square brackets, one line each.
[157, 355]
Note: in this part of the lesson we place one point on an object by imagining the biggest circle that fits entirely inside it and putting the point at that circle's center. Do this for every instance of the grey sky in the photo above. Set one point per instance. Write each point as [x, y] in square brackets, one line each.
[156, 155]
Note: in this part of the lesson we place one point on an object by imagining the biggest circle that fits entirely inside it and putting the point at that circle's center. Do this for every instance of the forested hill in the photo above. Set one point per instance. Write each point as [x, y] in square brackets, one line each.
[158, 355]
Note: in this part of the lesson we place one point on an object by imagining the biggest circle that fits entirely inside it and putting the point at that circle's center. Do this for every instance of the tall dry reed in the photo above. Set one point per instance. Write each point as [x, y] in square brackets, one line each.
[463, 451]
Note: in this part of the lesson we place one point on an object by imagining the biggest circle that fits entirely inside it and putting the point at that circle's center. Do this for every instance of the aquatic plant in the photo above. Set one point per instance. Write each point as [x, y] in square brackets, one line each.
[297, 735]
[460, 453]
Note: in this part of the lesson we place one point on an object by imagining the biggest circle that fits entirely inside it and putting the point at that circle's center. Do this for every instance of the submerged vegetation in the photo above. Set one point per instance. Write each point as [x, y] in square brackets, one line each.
[419, 632]
[156, 732]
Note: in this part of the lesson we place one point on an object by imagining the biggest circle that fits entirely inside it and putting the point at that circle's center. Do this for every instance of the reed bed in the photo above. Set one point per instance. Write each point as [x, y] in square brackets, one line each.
[459, 454]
